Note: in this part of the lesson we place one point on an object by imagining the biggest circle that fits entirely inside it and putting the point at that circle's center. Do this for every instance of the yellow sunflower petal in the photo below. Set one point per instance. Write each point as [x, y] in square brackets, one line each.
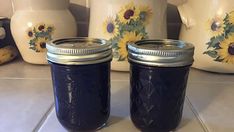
[229, 60]
[50, 29]
[40, 27]
[127, 37]
[231, 17]
[41, 44]
[110, 28]
[30, 33]
[128, 13]
[227, 50]
[145, 14]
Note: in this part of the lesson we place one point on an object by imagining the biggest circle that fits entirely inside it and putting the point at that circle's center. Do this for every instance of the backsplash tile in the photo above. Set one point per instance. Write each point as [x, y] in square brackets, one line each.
[6, 8]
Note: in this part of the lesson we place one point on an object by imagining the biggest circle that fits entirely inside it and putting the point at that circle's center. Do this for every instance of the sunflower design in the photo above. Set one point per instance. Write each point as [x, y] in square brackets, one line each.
[50, 29]
[145, 14]
[221, 44]
[226, 52]
[126, 26]
[41, 28]
[231, 17]
[110, 27]
[30, 33]
[216, 26]
[127, 37]
[40, 44]
[128, 13]
[39, 35]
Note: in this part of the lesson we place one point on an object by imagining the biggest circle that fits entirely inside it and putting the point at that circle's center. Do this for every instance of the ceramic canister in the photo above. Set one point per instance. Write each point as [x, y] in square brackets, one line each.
[36, 22]
[122, 21]
[209, 24]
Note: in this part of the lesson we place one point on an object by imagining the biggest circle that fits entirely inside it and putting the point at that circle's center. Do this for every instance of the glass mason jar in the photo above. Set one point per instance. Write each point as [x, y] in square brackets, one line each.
[80, 70]
[158, 76]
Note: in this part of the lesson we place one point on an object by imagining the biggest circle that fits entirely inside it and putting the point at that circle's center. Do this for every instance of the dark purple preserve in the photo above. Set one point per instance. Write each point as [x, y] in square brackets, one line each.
[80, 70]
[159, 71]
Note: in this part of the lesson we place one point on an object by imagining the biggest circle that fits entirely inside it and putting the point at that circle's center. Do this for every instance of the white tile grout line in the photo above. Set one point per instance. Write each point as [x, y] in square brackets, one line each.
[43, 119]
[203, 125]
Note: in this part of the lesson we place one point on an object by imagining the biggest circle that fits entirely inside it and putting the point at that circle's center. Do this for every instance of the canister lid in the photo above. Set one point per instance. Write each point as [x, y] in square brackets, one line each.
[164, 53]
[79, 51]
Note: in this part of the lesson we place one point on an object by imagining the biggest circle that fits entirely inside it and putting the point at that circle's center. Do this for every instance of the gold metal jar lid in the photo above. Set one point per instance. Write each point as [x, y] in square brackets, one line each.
[163, 53]
[79, 51]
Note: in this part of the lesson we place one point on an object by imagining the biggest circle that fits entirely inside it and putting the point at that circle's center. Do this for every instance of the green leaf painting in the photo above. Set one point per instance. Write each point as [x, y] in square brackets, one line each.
[221, 44]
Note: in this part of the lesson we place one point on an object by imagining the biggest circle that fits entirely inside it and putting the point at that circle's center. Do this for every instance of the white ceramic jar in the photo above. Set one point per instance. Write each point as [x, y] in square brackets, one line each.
[36, 22]
[209, 25]
[122, 21]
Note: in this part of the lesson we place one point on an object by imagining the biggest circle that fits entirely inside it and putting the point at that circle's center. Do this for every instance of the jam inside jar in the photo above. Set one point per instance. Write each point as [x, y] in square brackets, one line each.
[157, 96]
[158, 79]
[82, 95]
[80, 69]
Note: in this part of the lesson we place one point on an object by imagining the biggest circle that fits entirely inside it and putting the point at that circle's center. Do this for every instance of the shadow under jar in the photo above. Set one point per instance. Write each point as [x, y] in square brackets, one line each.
[159, 71]
[80, 70]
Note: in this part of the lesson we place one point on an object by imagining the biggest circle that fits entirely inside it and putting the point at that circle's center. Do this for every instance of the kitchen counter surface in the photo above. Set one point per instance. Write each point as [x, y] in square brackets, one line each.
[26, 101]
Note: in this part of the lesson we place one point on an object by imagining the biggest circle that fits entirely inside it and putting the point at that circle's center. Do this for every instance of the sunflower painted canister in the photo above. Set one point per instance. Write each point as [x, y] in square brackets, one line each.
[36, 22]
[123, 21]
[209, 24]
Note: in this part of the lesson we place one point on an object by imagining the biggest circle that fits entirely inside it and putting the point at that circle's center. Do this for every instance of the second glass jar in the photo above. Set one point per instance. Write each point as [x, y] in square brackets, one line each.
[159, 71]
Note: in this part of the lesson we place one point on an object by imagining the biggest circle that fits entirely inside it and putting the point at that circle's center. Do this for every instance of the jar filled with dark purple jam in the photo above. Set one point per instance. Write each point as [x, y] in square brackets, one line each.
[159, 71]
[80, 70]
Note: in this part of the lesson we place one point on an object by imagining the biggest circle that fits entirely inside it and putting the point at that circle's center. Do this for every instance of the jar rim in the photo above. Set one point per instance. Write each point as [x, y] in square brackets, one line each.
[78, 51]
[161, 52]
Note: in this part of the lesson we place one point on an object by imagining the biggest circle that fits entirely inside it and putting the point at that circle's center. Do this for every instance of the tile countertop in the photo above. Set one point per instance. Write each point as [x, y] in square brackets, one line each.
[26, 101]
